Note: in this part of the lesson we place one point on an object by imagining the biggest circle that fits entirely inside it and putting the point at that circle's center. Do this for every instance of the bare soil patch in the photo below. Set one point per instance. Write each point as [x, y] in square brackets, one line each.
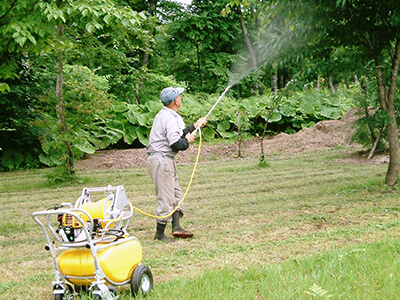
[324, 135]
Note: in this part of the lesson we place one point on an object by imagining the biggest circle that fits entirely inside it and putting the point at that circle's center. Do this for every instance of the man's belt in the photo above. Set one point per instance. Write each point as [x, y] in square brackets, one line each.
[170, 155]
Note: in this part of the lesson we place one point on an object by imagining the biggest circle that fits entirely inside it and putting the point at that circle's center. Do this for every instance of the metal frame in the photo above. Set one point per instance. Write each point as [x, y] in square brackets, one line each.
[118, 213]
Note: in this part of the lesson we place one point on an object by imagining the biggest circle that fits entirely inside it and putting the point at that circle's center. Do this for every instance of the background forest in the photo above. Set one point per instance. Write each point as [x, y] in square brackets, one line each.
[80, 76]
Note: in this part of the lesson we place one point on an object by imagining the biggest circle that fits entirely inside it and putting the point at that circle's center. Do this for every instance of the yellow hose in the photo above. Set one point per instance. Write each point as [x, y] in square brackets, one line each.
[184, 195]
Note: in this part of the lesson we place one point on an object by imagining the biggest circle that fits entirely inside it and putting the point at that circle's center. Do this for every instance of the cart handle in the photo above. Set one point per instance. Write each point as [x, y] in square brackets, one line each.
[88, 228]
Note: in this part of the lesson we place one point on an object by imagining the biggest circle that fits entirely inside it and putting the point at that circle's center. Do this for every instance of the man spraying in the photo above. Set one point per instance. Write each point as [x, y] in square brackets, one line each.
[168, 136]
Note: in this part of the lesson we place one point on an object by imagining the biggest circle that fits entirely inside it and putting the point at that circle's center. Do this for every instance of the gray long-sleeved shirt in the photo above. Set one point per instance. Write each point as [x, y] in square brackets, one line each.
[168, 133]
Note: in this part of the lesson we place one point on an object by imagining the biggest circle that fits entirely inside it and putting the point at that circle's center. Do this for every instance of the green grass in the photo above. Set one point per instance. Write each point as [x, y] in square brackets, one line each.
[367, 271]
[307, 227]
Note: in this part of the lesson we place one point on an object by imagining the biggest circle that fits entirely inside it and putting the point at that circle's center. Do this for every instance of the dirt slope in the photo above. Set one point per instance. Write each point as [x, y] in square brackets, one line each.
[324, 135]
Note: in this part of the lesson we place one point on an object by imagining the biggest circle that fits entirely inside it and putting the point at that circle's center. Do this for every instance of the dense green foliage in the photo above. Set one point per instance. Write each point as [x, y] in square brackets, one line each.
[292, 113]
[86, 96]
[19, 138]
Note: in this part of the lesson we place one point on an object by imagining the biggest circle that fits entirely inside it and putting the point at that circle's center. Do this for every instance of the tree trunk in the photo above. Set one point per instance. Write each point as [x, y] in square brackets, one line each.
[274, 82]
[371, 154]
[198, 65]
[367, 116]
[249, 46]
[152, 9]
[262, 155]
[60, 105]
[281, 81]
[145, 58]
[239, 134]
[331, 85]
[387, 103]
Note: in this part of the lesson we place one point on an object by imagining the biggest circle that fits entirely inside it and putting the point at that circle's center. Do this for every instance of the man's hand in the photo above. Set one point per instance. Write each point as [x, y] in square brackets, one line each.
[200, 122]
[190, 137]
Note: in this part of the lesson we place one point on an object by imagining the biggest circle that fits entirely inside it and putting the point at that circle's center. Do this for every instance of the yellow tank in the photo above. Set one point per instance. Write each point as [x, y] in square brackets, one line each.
[117, 262]
[95, 209]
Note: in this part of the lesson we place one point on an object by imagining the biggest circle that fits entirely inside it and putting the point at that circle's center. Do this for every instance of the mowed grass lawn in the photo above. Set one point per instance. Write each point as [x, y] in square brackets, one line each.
[306, 227]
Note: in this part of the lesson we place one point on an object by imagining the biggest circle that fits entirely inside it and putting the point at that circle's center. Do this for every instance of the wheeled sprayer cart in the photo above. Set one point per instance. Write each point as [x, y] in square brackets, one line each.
[90, 246]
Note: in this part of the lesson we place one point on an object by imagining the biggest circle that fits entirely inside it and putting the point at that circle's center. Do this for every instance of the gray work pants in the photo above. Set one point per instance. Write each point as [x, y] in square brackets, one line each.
[162, 170]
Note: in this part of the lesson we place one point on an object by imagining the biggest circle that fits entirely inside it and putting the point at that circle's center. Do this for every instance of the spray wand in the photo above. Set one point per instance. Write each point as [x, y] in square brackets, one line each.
[219, 99]
[215, 105]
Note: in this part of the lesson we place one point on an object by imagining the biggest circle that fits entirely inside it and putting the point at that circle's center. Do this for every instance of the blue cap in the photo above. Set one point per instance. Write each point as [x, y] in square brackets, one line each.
[169, 94]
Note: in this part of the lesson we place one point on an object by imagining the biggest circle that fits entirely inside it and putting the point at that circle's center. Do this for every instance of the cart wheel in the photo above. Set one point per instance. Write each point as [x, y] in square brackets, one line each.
[141, 281]
[69, 291]
[111, 288]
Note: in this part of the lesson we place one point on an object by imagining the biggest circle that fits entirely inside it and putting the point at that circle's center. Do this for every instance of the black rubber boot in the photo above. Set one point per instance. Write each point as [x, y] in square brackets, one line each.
[177, 230]
[160, 234]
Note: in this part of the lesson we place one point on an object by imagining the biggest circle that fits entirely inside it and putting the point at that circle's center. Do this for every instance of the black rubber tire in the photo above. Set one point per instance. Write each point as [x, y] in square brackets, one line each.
[141, 281]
